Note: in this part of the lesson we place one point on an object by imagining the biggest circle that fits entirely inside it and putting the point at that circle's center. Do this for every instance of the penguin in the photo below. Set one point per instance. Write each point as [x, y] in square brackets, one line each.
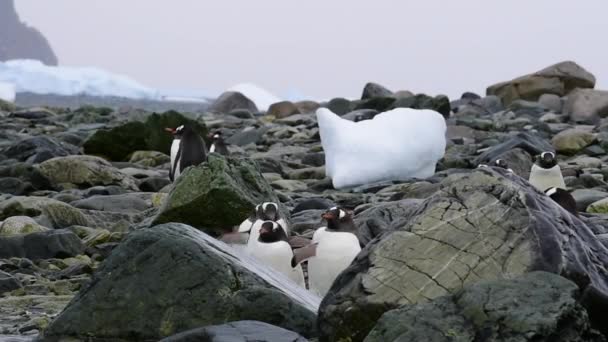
[272, 248]
[218, 144]
[267, 211]
[332, 250]
[546, 173]
[563, 198]
[187, 149]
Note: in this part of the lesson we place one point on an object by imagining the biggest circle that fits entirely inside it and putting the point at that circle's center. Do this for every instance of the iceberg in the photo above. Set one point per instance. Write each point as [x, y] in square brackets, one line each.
[33, 76]
[261, 97]
[399, 144]
[7, 92]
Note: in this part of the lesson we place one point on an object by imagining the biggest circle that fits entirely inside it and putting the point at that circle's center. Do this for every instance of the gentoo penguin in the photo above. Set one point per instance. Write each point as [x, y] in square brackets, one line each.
[267, 211]
[218, 144]
[546, 173]
[187, 149]
[271, 247]
[563, 198]
[332, 250]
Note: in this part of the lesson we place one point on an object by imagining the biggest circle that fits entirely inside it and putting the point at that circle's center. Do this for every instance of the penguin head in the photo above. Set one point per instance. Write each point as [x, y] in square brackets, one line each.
[335, 215]
[501, 163]
[271, 231]
[177, 132]
[546, 160]
[268, 211]
[215, 136]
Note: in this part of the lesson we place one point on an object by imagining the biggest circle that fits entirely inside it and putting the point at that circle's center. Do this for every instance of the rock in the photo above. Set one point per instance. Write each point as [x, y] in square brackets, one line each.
[572, 140]
[599, 207]
[481, 225]
[319, 203]
[439, 103]
[232, 100]
[38, 149]
[14, 186]
[587, 105]
[307, 107]
[32, 113]
[339, 105]
[8, 283]
[552, 102]
[216, 195]
[379, 104]
[153, 184]
[538, 306]
[378, 219]
[559, 79]
[250, 135]
[307, 173]
[282, 109]
[307, 220]
[372, 90]
[246, 331]
[519, 161]
[297, 119]
[242, 114]
[184, 280]
[17, 225]
[524, 141]
[83, 172]
[128, 203]
[120, 142]
[361, 114]
[289, 185]
[314, 159]
[28, 174]
[31, 206]
[149, 158]
[585, 197]
[58, 243]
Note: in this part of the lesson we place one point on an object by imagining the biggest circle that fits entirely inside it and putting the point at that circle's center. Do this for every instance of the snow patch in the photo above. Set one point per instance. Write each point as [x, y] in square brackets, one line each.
[35, 77]
[398, 144]
[261, 97]
[7, 92]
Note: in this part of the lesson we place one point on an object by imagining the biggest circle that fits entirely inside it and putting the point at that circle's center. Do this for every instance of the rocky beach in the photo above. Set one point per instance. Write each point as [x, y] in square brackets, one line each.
[97, 244]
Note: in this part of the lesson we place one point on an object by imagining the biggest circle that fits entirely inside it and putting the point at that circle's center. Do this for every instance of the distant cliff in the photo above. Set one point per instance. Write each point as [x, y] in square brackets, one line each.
[17, 40]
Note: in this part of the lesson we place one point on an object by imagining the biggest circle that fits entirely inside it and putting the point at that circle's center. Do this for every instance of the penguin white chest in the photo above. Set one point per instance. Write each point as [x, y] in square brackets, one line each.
[335, 251]
[212, 148]
[174, 156]
[278, 256]
[544, 179]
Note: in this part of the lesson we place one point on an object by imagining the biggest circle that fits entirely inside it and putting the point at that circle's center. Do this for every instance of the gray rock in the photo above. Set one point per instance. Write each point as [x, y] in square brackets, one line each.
[307, 106]
[558, 79]
[8, 283]
[572, 140]
[585, 197]
[538, 305]
[14, 186]
[184, 280]
[282, 109]
[587, 105]
[32, 113]
[306, 220]
[519, 161]
[28, 174]
[314, 159]
[383, 217]
[360, 115]
[312, 203]
[482, 225]
[250, 135]
[118, 203]
[532, 144]
[58, 243]
[153, 184]
[439, 103]
[339, 106]
[18, 225]
[38, 149]
[245, 331]
[552, 102]
[232, 100]
[297, 119]
[372, 90]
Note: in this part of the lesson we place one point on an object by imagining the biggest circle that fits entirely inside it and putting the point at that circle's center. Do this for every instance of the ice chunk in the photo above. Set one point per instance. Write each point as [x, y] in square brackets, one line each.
[7, 92]
[35, 77]
[261, 97]
[395, 145]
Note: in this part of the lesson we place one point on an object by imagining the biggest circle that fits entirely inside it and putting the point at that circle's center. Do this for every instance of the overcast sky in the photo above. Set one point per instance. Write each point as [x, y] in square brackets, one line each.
[324, 48]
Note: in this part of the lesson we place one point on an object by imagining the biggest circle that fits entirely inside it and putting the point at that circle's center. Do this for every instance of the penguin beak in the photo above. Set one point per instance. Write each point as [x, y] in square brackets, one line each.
[170, 130]
[327, 216]
[265, 230]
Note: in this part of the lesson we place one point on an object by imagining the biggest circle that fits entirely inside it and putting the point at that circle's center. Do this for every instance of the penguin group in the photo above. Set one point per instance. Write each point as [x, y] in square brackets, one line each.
[189, 149]
[546, 176]
[266, 236]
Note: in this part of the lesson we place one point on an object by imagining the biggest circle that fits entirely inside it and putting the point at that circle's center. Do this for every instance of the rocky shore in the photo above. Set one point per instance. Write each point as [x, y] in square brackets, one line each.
[96, 244]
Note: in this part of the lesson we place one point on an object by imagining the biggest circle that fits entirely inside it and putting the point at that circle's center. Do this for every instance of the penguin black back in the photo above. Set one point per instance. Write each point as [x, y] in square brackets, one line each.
[192, 149]
[563, 198]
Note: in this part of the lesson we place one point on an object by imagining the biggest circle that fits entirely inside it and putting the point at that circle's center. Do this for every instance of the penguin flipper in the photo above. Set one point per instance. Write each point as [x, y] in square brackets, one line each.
[298, 242]
[303, 253]
[235, 238]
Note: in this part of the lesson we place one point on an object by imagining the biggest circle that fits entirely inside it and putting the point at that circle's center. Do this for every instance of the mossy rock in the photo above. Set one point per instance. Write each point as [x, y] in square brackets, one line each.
[120, 142]
[216, 195]
[19, 225]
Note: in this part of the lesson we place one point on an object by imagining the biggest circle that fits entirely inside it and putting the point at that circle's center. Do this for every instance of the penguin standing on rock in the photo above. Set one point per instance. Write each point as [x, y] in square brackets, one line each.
[218, 144]
[332, 250]
[272, 248]
[563, 198]
[546, 173]
[187, 149]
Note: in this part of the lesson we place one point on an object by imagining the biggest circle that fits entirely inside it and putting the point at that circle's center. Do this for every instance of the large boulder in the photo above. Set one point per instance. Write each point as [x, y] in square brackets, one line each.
[172, 278]
[216, 195]
[58, 243]
[38, 149]
[439, 103]
[379, 218]
[587, 105]
[8, 282]
[121, 141]
[558, 79]
[527, 142]
[18, 225]
[572, 140]
[232, 100]
[482, 225]
[245, 331]
[372, 90]
[84, 172]
[283, 109]
[538, 306]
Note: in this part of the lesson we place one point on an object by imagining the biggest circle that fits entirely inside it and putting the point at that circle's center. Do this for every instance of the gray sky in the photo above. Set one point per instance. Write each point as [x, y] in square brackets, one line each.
[324, 48]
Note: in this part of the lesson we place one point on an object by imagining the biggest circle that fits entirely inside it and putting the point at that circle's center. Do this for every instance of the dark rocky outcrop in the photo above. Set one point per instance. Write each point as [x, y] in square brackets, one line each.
[38, 149]
[232, 100]
[375, 90]
[57, 243]
[245, 331]
[482, 225]
[172, 278]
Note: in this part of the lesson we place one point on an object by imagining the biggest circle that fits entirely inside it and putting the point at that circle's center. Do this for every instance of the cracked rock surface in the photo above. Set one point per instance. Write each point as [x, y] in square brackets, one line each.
[482, 225]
